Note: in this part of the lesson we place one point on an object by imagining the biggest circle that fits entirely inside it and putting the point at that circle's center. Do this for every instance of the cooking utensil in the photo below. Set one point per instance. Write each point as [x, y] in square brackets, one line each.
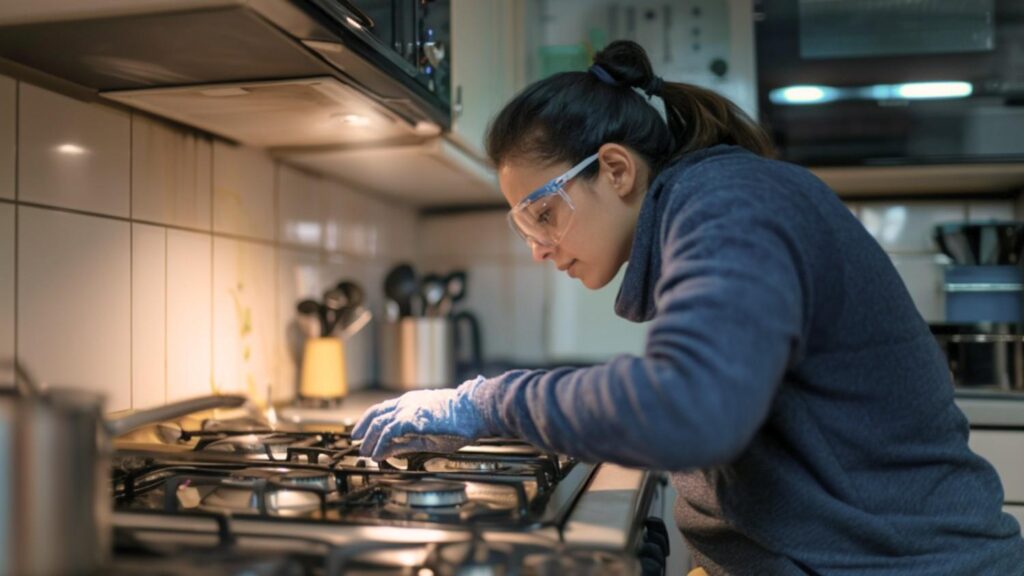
[361, 318]
[432, 290]
[455, 290]
[354, 297]
[982, 243]
[54, 451]
[310, 318]
[401, 285]
[334, 302]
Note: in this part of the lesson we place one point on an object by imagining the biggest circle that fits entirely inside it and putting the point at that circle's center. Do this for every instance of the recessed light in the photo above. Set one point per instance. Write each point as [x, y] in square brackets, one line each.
[352, 119]
[71, 149]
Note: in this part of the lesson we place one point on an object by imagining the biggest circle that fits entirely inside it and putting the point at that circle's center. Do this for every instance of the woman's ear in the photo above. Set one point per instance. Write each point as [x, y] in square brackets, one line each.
[618, 168]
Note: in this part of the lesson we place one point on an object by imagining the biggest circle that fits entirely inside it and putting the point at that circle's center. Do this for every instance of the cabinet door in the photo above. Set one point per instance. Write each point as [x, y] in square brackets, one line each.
[1005, 450]
[486, 63]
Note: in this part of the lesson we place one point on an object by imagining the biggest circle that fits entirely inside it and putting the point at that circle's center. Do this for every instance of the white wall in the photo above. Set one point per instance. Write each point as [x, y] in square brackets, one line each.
[153, 263]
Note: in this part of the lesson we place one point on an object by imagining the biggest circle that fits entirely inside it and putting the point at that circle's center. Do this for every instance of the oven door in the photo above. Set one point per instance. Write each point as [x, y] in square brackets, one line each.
[914, 82]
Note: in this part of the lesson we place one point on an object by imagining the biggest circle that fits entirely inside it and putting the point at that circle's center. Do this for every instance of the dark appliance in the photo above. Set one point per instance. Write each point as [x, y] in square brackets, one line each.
[395, 52]
[984, 292]
[891, 83]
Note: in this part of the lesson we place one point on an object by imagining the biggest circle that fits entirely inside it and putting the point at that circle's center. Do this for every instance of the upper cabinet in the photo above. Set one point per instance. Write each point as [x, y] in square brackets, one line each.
[488, 64]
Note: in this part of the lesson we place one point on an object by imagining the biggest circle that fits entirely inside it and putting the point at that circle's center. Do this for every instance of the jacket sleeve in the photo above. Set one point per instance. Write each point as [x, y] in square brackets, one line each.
[731, 302]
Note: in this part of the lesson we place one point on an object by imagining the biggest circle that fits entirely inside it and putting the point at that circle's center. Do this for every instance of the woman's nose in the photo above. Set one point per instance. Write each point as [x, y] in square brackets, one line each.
[540, 252]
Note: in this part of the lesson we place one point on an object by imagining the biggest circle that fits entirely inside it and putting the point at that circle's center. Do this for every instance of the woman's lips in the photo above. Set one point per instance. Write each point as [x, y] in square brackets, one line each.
[571, 269]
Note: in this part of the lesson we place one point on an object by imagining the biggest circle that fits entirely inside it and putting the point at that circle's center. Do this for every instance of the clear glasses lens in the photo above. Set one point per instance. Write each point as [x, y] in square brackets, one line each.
[543, 221]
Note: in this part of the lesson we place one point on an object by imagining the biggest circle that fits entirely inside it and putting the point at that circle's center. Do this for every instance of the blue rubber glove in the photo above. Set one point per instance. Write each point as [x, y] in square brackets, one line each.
[422, 421]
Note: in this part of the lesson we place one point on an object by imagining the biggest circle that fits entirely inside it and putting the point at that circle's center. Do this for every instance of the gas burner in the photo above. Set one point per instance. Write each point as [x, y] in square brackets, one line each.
[306, 479]
[458, 465]
[241, 491]
[427, 494]
[254, 446]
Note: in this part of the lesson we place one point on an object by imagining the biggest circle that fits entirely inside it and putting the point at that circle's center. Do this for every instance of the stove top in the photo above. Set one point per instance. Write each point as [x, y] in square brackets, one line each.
[235, 497]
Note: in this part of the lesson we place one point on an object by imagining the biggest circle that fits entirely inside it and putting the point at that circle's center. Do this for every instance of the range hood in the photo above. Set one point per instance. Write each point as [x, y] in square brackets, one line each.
[218, 65]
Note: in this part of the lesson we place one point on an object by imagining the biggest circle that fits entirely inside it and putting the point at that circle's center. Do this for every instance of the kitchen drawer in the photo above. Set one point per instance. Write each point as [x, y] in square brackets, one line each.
[1005, 450]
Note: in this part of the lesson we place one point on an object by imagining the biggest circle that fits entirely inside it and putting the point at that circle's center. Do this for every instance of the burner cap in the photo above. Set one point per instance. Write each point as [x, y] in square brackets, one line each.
[428, 493]
[308, 478]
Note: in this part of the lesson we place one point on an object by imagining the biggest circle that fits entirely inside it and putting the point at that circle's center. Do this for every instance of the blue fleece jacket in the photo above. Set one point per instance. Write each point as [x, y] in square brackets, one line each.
[788, 382]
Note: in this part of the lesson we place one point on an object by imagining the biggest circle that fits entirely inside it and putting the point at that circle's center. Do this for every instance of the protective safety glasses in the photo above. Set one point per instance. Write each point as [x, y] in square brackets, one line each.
[544, 216]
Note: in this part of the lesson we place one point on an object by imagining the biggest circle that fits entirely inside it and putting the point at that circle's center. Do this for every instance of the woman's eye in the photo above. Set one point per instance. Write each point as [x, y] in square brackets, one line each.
[544, 217]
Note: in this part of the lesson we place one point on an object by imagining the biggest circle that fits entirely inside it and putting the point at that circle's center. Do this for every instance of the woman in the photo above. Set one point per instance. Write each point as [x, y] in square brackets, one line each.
[788, 382]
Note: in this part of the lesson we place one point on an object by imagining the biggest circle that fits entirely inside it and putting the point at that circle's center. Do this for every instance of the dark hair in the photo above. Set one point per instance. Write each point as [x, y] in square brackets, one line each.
[568, 116]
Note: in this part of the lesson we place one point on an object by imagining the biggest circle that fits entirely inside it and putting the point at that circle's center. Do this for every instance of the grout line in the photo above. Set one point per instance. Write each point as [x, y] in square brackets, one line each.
[131, 267]
[17, 211]
[166, 300]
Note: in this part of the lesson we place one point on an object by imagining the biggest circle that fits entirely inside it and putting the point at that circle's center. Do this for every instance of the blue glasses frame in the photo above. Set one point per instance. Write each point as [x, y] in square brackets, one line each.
[554, 186]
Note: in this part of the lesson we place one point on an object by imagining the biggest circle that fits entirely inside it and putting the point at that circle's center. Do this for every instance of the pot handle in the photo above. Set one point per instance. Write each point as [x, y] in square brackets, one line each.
[124, 424]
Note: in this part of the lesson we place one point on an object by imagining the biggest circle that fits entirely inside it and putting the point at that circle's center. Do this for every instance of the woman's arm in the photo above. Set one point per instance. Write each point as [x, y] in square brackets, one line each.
[731, 304]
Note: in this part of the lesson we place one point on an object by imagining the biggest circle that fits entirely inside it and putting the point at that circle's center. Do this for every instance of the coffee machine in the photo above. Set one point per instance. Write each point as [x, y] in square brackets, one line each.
[983, 335]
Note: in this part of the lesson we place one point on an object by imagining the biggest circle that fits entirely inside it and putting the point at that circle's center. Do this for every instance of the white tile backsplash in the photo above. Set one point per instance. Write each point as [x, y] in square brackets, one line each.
[299, 276]
[244, 317]
[923, 277]
[171, 175]
[72, 154]
[351, 228]
[149, 315]
[908, 226]
[6, 286]
[475, 234]
[983, 210]
[243, 191]
[8, 129]
[74, 301]
[301, 203]
[189, 314]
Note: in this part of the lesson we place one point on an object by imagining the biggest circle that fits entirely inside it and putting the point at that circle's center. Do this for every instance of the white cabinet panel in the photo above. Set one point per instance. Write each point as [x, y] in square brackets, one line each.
[1005, 450]
[243, 191]
[8, 123]
[6, 287]
[74, 302]
[244, 318]
[301, 203]
[72, 154]
[149, 315]
[189, 314]
[171, 175]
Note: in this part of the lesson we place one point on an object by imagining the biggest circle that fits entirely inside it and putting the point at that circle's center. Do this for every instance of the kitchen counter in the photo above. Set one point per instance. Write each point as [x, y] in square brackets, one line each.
[992, 409]
[348, 412]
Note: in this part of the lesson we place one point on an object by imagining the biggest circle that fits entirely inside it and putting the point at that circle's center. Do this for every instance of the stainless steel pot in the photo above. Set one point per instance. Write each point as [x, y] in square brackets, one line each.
[55, 491]
[983, 355]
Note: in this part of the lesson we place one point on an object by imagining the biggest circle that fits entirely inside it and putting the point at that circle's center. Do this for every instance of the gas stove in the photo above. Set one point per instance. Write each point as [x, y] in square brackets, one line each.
[239, 497]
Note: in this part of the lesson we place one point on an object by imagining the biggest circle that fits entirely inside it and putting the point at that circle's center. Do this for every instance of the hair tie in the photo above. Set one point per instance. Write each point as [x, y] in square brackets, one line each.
[603, 75]
[654, 86]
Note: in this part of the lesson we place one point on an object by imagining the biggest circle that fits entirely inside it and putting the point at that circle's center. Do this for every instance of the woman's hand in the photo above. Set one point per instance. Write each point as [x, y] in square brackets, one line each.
[422, 421]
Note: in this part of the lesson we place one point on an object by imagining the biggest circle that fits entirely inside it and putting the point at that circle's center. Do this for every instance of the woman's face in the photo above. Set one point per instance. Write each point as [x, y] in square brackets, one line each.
[600, 235]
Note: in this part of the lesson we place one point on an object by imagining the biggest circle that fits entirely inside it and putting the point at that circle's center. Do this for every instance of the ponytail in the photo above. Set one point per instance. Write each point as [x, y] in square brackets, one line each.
[566, 117]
